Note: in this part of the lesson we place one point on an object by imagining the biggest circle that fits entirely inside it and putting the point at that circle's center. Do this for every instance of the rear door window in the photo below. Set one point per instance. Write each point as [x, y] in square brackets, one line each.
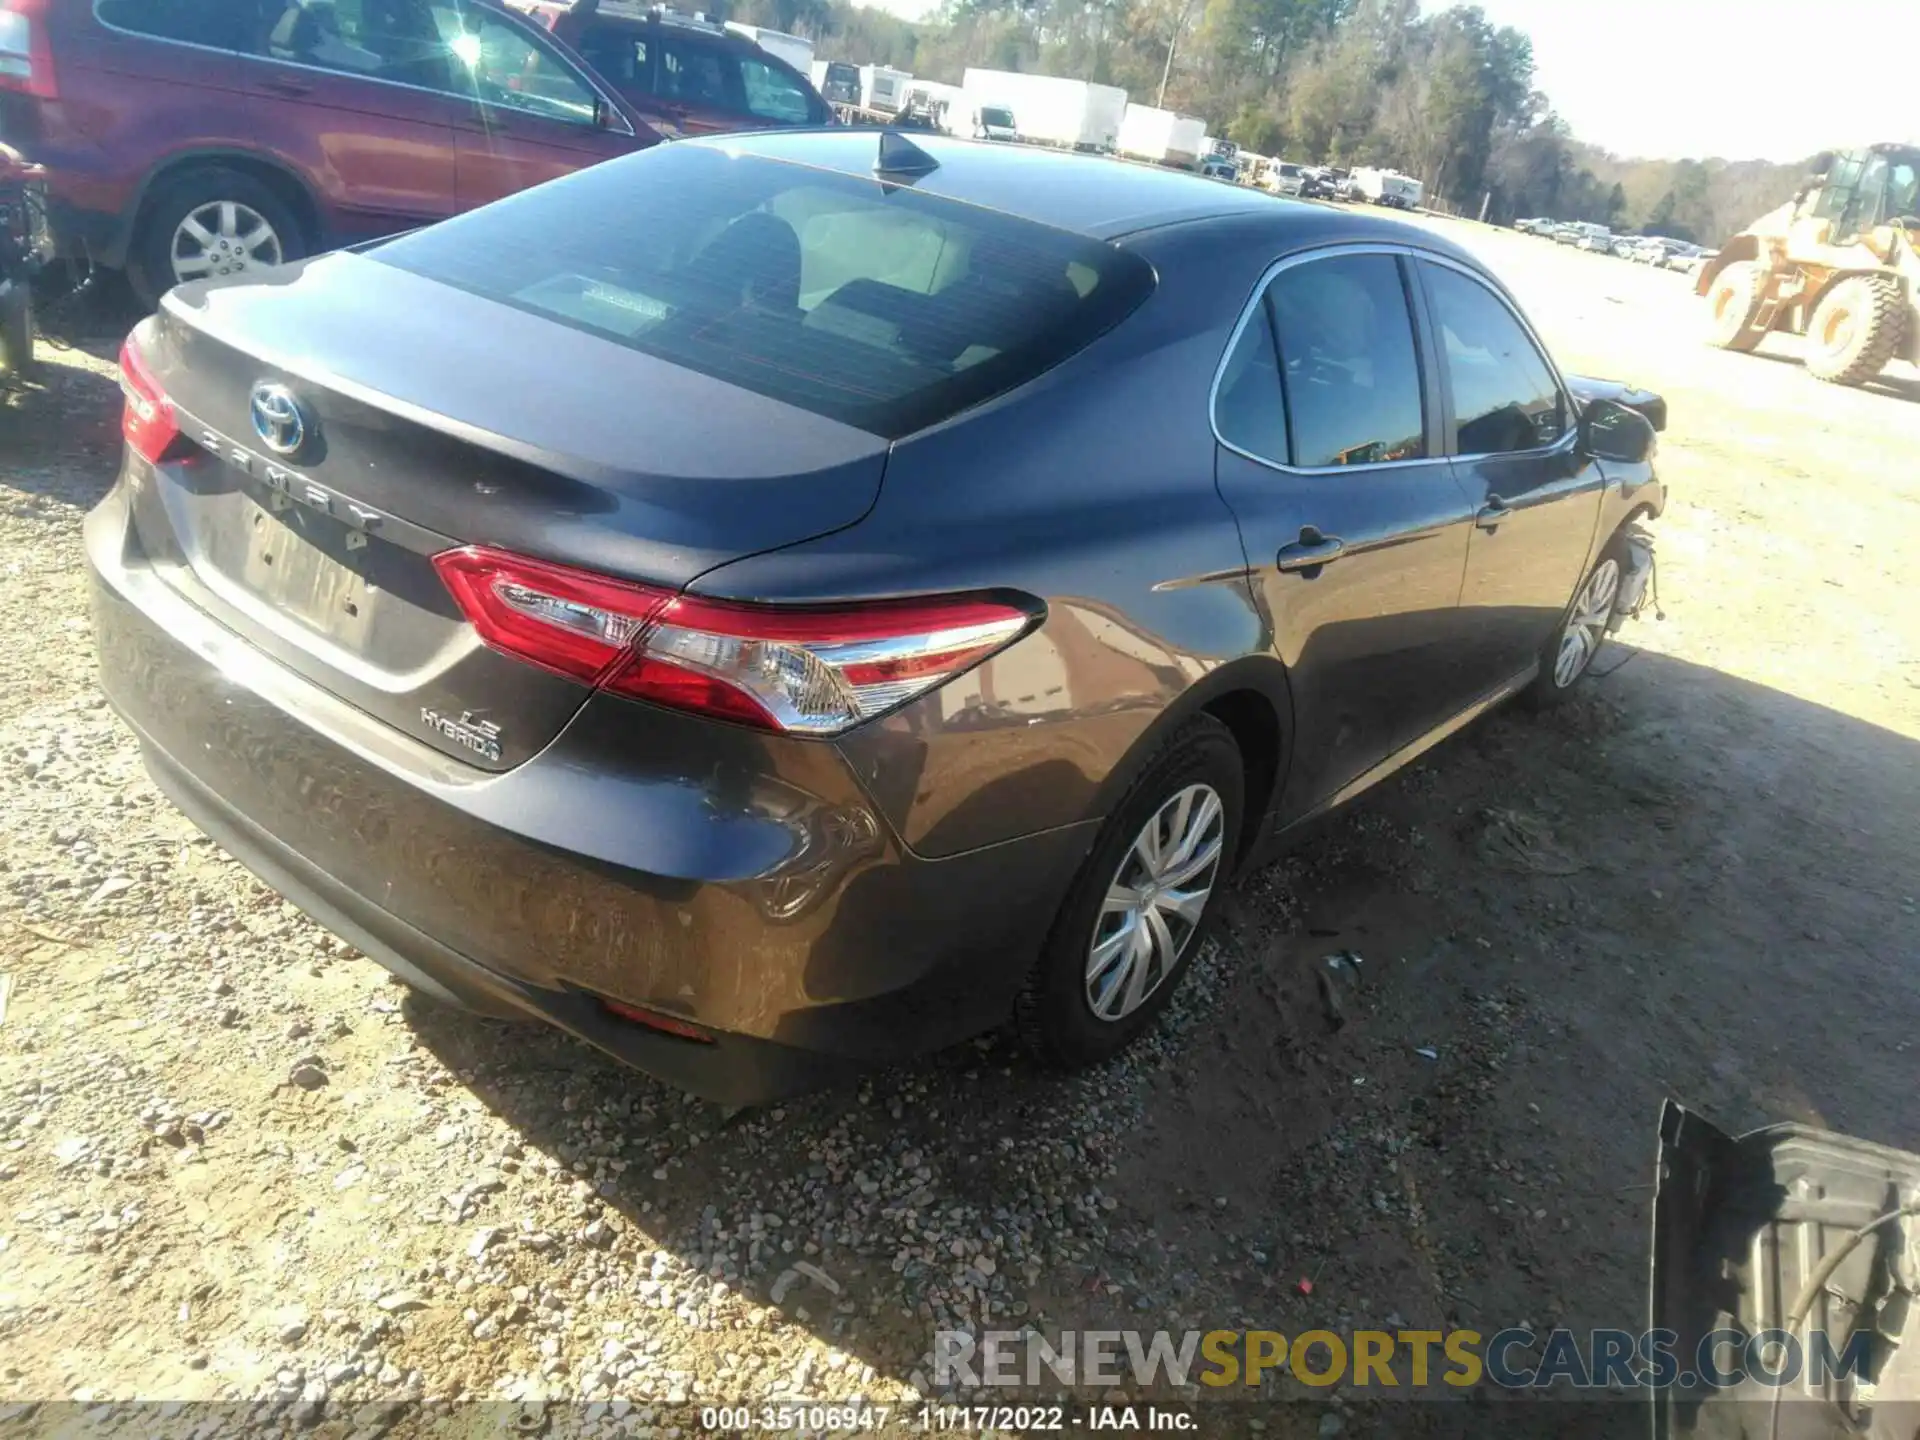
[774, 95]
[1505, 397]
[696, 74]
[871, 304]
[1349, 361]
[1249, 412]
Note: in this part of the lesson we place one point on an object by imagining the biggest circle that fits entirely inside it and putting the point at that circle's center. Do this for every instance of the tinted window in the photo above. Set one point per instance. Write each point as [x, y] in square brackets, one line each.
[878, 306]
[775, 95]
[1504, 395]
[1247, 409]
[618, 53]
[224, 24]
[1347, 353]
[697, 75]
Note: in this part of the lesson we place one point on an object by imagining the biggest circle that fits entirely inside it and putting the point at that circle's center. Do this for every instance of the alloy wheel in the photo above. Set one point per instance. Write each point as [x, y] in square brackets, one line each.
[1155, 901]
[1586, 627]
[223, 237]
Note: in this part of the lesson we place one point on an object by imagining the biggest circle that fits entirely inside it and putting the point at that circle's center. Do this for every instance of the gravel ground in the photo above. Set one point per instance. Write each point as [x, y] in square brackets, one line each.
[237, 1162]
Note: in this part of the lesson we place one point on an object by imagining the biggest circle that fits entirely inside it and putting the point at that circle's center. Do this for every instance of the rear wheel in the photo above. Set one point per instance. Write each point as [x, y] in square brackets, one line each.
[1137, 913]
[208, 224]
[1857, 328]
[1732, 303]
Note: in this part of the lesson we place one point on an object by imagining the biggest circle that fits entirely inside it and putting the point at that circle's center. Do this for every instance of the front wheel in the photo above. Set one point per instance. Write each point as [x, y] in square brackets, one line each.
[1137, 912]
[1582, 631]
[1732, 303]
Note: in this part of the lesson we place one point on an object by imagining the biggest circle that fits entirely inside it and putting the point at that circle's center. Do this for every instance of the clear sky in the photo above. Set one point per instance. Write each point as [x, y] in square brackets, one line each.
[1743, 79]
[1672, 78]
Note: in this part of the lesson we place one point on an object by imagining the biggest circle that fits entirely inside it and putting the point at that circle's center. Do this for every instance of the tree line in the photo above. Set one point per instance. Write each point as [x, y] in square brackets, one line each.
[1447, 97]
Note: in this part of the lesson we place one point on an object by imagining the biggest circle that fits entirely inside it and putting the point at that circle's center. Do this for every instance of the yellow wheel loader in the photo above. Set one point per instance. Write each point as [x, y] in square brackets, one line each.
[1839, 264]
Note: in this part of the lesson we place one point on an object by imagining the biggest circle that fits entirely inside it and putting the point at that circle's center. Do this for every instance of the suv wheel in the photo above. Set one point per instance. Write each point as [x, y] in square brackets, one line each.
[211, 223]
[1136, 914]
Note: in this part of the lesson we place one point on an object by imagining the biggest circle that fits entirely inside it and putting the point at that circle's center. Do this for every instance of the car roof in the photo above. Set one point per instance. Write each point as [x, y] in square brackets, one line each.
[632, 12]
[1090, 195]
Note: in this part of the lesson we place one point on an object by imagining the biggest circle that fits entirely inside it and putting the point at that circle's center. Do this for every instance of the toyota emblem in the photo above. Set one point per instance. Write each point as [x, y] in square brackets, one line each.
[278, 418]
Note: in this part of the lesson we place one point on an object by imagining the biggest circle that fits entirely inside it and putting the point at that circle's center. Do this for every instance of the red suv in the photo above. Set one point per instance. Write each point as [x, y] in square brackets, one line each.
[686, 75]
[188, 138]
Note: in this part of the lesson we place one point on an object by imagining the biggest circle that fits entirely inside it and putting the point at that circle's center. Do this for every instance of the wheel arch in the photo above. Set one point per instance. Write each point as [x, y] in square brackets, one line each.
[1253, 698]
[275, 174]
[1740, 247]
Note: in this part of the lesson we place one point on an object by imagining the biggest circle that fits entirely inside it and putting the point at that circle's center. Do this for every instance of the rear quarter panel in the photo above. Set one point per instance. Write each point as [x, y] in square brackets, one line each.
[1093, 490]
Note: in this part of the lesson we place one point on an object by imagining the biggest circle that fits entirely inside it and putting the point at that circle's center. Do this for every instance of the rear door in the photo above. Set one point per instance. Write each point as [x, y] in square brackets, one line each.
[1536, 498]
[533, 114]
[1354, 524]
[359, 94]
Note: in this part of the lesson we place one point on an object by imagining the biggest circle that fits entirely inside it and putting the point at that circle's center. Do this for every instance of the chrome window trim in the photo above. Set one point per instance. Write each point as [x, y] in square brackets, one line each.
[1252, 307]
[1566, 437]
[613, 109]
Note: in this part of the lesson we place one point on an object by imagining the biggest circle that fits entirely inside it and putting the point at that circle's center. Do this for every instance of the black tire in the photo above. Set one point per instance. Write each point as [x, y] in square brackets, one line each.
[1549, 688]
[1857, 327]
[1055, 1014]
[151, 266]
[1732, 301]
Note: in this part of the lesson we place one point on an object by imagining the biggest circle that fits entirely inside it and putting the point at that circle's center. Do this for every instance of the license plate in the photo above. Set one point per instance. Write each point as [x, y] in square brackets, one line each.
[303, 565]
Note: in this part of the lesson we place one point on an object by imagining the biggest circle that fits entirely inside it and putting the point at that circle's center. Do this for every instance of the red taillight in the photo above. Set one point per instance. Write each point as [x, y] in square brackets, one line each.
[147, 417]
[807, 671]
[26, 58]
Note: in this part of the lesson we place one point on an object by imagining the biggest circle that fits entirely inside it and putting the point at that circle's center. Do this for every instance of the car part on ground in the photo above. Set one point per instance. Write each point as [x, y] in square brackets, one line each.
[26, 245]
[1839, 264]
[648, 703]
[1794, 1233]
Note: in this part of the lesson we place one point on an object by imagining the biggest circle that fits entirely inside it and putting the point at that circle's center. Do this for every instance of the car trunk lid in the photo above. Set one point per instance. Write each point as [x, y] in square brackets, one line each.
[350, 420]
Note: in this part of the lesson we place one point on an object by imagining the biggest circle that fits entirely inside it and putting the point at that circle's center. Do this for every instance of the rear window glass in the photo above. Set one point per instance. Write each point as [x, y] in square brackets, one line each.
[871, 304]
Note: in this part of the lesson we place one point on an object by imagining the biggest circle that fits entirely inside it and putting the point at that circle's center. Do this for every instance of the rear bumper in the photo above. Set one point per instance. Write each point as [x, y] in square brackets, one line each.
[738, 881]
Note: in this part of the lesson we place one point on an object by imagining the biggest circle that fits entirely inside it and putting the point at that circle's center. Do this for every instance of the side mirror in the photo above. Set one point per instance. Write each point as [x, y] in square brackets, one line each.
[1612, 431]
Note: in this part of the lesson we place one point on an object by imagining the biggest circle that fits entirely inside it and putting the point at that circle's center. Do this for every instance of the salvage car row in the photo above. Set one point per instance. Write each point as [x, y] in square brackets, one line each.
[192, 138]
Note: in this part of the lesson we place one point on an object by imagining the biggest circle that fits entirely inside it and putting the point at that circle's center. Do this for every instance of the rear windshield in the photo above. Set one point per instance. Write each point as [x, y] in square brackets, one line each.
[1002, 118]
[868, 303]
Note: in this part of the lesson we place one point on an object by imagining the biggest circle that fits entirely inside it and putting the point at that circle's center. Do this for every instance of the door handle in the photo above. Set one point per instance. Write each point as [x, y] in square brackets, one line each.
[1489, 516]
[286, 85]
[1310, 551]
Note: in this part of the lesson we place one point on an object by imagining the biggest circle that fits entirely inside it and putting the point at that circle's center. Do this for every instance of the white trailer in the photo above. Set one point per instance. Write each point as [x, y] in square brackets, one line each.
[1388, 187]
[1162, 136]
[1073, 114]
[883, 89]
[796, 50]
